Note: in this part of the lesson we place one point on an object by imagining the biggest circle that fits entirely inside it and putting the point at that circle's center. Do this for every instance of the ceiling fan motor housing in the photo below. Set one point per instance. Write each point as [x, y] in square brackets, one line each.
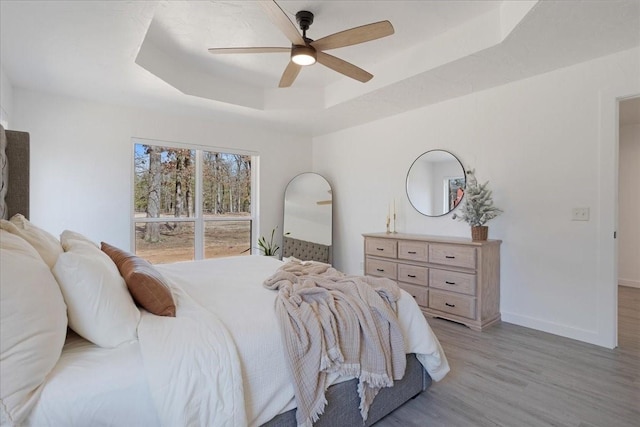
[305, 19]
[304, 54]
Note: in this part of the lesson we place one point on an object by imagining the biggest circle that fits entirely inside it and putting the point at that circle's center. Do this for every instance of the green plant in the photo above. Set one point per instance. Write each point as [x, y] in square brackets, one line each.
[478, 203]
[269, 248]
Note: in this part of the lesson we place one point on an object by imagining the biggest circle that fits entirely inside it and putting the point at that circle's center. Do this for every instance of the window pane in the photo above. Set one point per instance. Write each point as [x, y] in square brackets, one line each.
[163, 242]
[226, 185]
[164, 188]
[227, 238]
[164, 182]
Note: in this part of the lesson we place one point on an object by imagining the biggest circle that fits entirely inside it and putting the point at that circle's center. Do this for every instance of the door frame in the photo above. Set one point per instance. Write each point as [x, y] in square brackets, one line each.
[607, 245]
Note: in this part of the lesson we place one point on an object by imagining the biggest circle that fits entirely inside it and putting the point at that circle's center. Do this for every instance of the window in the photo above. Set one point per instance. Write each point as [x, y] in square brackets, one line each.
[191, 203]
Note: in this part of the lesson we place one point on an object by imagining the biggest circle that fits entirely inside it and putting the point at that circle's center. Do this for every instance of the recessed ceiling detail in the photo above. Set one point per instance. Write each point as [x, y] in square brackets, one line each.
[153, 54]
[167, 52]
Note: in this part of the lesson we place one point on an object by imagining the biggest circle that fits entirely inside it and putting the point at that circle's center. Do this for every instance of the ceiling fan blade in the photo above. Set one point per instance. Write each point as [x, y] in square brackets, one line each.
[223, 50]
[290, 74]
[344, 67]
[353, 36]
[282, 21]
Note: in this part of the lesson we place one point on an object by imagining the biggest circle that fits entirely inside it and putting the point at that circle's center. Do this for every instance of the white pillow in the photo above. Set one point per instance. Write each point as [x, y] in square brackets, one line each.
[68, 237]
[33, 326]
[46, 244]
[99, 305]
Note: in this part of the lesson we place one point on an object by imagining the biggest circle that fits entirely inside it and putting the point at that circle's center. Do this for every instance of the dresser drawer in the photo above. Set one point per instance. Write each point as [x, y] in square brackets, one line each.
[413, 274]
[452, 281]
[376, 267]
[419, 293]
[381, 247]
[460, 305]
[414, 251]
[453, 255]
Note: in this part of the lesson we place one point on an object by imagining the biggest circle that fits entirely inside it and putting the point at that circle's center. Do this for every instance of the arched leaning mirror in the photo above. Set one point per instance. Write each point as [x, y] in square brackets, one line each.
[308, 218]
[435, 183]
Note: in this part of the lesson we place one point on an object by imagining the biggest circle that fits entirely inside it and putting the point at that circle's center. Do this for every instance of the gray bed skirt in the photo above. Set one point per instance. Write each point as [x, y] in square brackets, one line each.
[342, 409]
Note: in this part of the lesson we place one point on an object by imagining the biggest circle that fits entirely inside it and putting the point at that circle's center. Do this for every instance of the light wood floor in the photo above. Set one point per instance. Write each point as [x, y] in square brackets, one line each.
[513, 376]
[629, 318]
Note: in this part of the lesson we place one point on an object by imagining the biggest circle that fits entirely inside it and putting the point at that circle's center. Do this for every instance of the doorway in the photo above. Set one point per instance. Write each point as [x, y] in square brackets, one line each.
[628, 230]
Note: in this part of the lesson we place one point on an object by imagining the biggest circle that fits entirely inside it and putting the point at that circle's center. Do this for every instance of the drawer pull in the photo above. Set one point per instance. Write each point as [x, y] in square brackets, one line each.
[449, 305]
[449, 257]
[412, 252]
[380, 269]
[413, 276]
[380, 249]
[449, 283]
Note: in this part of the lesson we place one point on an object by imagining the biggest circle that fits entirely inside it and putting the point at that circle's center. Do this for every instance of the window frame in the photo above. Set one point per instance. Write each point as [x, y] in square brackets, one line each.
[198, 219]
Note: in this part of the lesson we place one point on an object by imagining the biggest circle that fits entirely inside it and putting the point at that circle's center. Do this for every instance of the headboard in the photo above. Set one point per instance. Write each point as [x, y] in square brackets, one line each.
[17, 185]
[306, 251]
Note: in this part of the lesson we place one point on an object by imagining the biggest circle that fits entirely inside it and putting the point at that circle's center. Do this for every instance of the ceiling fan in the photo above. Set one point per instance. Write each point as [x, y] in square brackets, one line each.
[305, 51]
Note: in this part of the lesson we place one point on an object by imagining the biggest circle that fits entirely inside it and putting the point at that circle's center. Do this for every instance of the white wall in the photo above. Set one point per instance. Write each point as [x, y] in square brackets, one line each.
[629, 207]
[6, 99]
[81, 160]
[540, 142]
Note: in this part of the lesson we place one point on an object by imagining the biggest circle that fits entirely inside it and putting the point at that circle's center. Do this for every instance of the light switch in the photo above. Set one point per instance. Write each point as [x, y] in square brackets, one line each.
[580, 214]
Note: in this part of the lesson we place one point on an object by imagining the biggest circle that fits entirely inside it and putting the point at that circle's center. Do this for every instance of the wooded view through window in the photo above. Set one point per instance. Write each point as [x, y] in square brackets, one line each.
[190, 203]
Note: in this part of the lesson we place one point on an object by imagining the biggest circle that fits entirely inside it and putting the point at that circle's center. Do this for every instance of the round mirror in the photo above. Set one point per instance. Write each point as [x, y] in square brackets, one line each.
[435, 183]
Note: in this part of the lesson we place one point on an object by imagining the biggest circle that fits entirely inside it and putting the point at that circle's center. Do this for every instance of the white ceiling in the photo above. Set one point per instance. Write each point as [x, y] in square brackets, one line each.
[153, 54]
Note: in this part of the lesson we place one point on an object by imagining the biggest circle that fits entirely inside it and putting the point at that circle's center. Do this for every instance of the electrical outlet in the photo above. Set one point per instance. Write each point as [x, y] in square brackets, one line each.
[580, 214]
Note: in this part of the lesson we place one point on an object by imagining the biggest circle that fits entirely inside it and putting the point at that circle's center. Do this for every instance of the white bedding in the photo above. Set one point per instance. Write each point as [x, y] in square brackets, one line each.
[243, 361]
[89, 380]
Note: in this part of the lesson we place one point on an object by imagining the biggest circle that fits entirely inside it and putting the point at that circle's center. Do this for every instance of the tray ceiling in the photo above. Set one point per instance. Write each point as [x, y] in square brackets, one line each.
[154, 54]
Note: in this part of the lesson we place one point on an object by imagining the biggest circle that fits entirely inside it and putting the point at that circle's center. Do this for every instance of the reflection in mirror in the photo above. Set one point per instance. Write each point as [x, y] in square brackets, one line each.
[308, 218]
[435, 183]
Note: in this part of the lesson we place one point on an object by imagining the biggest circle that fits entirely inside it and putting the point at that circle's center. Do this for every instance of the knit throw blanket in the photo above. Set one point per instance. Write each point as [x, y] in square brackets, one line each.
[337, 323]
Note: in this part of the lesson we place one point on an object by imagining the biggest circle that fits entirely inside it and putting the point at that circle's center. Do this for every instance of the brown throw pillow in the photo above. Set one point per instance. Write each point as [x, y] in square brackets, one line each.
[146, 285]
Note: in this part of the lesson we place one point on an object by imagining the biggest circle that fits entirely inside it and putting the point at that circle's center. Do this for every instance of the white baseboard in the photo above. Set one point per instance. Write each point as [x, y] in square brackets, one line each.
[630, 283]
[584, 335]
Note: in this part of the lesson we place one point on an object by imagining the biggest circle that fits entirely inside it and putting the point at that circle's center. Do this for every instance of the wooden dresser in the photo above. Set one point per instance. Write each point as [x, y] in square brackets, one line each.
[453, 278]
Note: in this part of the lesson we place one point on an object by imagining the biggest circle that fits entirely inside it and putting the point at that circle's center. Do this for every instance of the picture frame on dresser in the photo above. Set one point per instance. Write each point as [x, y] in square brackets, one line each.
[450, 277]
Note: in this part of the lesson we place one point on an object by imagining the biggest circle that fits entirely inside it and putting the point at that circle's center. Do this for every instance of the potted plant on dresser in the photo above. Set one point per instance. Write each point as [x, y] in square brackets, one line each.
[478, 207]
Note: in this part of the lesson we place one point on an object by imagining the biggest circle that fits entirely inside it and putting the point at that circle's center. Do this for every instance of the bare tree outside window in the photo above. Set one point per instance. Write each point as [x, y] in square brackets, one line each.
[152, 232]
[165, 203]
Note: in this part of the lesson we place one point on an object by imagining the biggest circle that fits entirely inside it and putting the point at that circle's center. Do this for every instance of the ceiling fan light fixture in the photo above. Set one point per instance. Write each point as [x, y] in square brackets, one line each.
[303, 55]
[304, 51]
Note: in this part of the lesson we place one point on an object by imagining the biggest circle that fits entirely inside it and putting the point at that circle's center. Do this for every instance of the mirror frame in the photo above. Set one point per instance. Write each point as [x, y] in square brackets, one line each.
[462, 170]
[319, 238]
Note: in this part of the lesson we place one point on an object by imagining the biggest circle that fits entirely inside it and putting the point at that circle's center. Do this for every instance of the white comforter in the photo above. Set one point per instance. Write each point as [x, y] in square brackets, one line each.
[247, 309]
[220, 362]
[192, 367]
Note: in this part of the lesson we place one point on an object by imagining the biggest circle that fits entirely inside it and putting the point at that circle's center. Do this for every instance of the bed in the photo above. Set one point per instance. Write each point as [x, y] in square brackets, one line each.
[211, 364]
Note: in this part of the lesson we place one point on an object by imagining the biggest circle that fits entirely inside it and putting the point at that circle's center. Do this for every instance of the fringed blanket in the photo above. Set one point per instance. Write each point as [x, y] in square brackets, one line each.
[337, 323]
